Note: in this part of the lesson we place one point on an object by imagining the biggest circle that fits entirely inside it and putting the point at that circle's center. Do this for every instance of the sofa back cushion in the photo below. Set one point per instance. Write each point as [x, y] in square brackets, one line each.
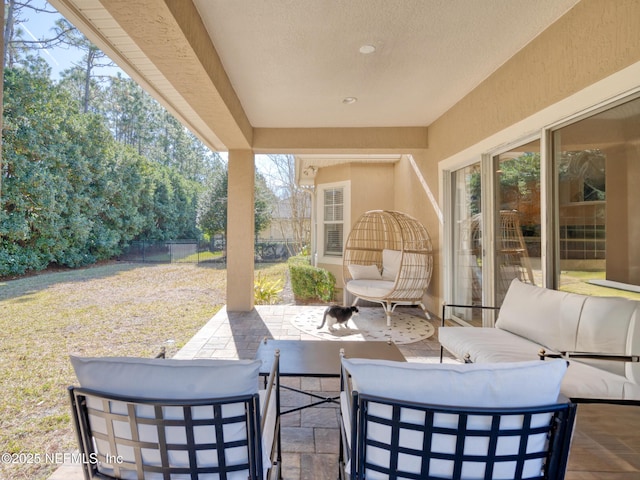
[544, 316]
[391, 262]
[607, 326]
[604, 325]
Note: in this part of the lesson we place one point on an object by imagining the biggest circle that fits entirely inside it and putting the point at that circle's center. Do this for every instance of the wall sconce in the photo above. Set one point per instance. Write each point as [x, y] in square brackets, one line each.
[310, 171]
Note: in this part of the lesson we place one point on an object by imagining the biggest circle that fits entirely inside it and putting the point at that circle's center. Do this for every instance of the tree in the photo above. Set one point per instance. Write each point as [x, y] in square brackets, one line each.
[264, 203]
[72, 194]
[212, 211]
[84, 177]
[212, 216]
[93, 59]
[13, 44]
[292, 214]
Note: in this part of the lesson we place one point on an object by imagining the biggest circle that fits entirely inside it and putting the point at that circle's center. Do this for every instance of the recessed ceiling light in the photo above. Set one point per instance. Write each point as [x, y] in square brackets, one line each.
[366, 49]
[349, 100]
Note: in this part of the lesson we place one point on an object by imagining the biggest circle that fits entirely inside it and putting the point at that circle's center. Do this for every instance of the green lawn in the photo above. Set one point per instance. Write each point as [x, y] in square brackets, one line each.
[115, 309]
[578, 282]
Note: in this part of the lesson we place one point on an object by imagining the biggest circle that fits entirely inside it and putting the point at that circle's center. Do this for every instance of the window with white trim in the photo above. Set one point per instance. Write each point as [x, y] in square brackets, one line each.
[333, 206]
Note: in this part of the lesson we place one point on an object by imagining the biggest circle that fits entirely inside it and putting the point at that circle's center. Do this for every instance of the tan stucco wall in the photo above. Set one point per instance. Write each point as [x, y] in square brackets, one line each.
[410, 197]
[593, 40]
[240, 231]
[371, 189]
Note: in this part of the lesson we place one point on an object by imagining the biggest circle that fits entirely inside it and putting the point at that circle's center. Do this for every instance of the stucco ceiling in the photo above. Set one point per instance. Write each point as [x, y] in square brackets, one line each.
[293, 62]
[232, 70]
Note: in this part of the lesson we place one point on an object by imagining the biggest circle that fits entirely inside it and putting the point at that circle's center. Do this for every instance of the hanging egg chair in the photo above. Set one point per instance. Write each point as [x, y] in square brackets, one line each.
[388, 260]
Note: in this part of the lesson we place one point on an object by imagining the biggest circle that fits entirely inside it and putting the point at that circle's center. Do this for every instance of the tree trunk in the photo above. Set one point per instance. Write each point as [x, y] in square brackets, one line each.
[8, 32]
[4, 46]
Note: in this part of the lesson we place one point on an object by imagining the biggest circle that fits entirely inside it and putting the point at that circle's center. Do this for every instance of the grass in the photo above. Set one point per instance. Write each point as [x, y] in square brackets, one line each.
[578, 282]
[114, 309]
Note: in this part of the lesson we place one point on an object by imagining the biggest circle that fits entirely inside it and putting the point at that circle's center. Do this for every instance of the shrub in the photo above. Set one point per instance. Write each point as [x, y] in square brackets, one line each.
[309, 282]
[266, 291]
[299, 260]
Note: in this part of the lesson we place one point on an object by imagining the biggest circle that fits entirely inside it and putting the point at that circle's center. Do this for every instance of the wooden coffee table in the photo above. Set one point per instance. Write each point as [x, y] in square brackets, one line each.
[321, 358]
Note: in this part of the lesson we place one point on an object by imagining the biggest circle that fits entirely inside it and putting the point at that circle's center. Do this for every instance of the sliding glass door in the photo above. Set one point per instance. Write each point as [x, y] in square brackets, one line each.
[467, 242]
[597, 164]
[517, 218]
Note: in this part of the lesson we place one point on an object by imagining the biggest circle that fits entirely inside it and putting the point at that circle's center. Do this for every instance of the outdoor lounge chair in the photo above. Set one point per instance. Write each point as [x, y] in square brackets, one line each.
[388, 260]
[176, 419]
[434, 421]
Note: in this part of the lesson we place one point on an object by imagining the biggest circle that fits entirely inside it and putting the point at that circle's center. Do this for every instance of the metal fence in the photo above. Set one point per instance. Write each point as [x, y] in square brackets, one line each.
[193, 251]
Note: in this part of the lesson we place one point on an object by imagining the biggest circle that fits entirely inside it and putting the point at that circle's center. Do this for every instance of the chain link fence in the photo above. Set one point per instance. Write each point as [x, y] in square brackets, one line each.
[214, 251]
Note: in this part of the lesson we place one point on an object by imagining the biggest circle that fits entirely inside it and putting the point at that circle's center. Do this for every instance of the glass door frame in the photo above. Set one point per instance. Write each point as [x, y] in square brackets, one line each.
[488, 166]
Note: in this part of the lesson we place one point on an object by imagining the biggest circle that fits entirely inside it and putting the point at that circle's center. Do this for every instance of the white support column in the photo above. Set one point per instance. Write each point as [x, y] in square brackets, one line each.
[240, 230]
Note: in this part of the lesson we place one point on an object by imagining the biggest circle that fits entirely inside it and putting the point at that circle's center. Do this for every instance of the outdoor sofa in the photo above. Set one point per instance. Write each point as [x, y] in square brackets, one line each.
[599, 336]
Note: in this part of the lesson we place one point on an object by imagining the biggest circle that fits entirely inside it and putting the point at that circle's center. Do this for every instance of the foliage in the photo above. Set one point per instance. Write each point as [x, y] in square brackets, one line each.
[309, 283]
[292, 211]
[92, 162]
[267, 291]
[212, 215]
[71, 194]
[299, 260]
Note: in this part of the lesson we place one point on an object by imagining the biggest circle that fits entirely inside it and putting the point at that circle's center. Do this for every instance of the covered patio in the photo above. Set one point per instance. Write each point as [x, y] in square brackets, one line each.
[606, 443]
[439, 86]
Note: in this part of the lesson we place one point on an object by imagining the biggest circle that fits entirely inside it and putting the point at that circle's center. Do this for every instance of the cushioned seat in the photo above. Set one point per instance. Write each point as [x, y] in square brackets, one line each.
[370, 288]
[157, 418]
[388, 260]
[412, 420]
[575, 326]
[489, 345]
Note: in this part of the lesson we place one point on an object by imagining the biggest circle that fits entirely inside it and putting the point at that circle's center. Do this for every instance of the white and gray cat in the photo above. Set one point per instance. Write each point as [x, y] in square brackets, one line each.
[338, 316]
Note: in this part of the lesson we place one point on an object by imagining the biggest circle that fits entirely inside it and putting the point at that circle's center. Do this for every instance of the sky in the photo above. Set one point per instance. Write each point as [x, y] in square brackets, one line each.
[40, 25]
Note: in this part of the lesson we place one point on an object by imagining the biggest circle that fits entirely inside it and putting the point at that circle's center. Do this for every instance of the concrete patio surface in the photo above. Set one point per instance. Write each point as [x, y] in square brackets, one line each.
[310, 437]
[606, 443]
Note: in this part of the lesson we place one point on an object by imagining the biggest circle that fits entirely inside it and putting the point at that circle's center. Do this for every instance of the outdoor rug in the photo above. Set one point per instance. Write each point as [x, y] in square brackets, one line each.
[370, 324]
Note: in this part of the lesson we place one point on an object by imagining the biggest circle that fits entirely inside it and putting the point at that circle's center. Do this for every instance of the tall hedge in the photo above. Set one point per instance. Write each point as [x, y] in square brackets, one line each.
[72, 195]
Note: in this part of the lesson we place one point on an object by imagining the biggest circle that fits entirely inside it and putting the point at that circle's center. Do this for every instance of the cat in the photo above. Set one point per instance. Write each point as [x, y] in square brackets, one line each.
[339, 315]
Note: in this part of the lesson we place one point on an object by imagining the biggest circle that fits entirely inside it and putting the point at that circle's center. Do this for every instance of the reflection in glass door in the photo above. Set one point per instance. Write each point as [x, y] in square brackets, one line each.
[518, 224]
[597, 161]
[467, 242]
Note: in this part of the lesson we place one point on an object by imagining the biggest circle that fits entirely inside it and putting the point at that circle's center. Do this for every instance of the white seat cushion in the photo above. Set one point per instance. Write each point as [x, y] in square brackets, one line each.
[370, 288]
[167, 378]
[488, 345]
[587, 381]
[508, 384]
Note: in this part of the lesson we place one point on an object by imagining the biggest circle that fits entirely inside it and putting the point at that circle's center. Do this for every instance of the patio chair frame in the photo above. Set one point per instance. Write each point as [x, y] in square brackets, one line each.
[252, 418]
[559, 432]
